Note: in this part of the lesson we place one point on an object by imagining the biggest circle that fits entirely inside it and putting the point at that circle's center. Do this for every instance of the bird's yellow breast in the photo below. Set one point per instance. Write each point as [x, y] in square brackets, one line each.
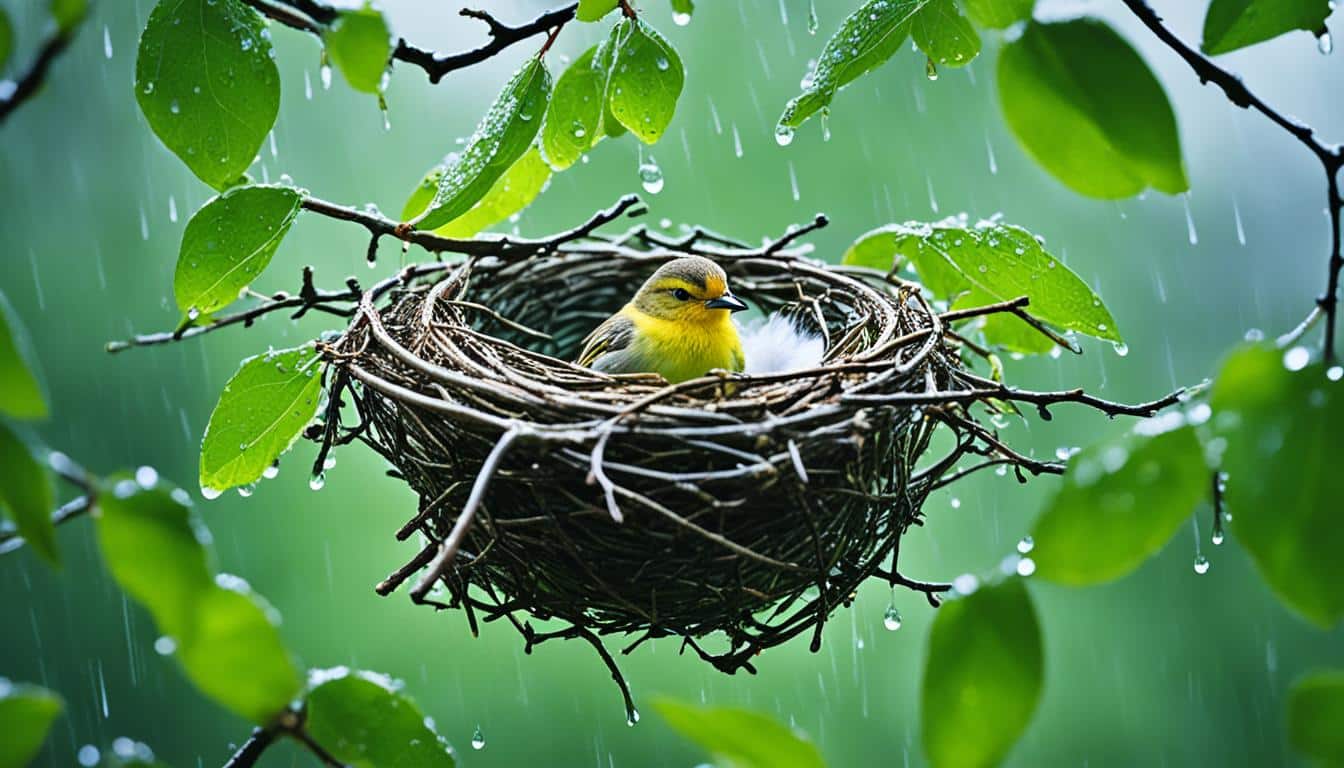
[679, 350]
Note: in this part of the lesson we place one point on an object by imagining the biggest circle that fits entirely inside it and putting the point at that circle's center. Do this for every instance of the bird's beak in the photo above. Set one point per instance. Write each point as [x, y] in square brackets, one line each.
[727, 301]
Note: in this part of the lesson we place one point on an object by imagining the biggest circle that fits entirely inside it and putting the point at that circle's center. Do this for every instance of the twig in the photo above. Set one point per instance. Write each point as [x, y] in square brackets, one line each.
[31, 81]
[251, 750]
[10, 540]
[311, 16]
[1331, 156]
[290, 723]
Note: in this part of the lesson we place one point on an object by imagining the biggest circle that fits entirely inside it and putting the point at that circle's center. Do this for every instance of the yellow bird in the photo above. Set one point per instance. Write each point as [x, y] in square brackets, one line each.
[678, 325]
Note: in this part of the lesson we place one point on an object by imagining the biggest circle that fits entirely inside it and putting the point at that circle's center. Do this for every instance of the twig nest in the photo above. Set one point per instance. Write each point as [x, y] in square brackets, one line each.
[752, 505]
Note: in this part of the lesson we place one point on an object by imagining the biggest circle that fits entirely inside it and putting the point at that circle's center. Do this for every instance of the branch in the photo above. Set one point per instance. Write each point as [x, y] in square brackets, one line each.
[1331, 156]
[311, 16]
[32, 80]
[72, 473]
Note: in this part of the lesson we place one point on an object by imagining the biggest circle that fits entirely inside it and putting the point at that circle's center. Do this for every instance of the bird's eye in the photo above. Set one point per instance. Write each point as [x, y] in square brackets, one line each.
[682, 294]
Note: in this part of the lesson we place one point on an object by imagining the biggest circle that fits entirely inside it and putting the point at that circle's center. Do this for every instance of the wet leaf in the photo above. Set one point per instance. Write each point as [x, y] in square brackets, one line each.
[1315, 711]
[156, 550]
[206, 81]
[866, 39]
[594, 10]
[21, 394]
[514, 191]
[982, 677]
[1086, 107]
[944, 35]
[1233, 24]
[260, 414]
[740, 737]
[360, 45]
[6, 39]
[68, 13]
[26, 715]
[998, 14]
[234, 654]
[499, 141]
[644, 80]
[1003, 330]
[1283, 489]
[1120, 502]
[228, 242]
[574, 114]
[1001, 260]
[226, 637]
[365, 721]
[26, 494]
[609, 126]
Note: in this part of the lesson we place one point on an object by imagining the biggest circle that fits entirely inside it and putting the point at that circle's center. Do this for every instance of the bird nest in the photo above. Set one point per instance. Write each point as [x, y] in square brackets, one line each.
[750, 507]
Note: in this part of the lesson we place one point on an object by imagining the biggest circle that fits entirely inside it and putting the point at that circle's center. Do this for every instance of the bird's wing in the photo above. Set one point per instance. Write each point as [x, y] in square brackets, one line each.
[615, 334]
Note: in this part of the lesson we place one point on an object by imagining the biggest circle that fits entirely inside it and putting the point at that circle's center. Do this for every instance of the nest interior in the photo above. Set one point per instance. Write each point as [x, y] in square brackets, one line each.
[748, 505]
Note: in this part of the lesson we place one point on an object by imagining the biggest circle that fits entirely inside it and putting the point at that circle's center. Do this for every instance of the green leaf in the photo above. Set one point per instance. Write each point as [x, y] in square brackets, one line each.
[594, 10]
[1084, 104]
[609, 126]
[155, 549]
[944, 35]
[1001, 260]
[228, 242]
[866, 39]
[982, 677]
[1283, 486]
[234, 654]
[26, 715]
[206, 81]
[1120, 502]
[260, 414]
[998, 14]
[68, 13]
[740, 738]
[365, 721]
[514, 191]
[881, 248]
[1003, 330]
[1315, 711]
[644, 80]
[574, 114]
[26, 494]
[226, 637]
[502, 137]
[360, 45]
[6, 38]
[21, 394]
[1233, 24]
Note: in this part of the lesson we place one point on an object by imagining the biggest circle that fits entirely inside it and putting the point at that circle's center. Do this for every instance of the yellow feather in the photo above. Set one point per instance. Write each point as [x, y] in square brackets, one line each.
[680, 349]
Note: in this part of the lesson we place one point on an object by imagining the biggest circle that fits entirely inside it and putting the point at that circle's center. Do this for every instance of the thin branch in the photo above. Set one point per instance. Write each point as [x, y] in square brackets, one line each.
[311, 17]
[31, 81]
[10, 540]
[251, 750]
[1330, 155]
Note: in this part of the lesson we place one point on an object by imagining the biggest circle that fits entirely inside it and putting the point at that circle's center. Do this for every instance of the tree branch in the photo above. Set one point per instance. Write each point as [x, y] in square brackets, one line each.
[29, 83]
[312, 16]
[1330, 155]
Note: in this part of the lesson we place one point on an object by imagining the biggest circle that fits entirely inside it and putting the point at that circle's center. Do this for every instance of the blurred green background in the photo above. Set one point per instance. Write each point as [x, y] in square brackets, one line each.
[1164, 667]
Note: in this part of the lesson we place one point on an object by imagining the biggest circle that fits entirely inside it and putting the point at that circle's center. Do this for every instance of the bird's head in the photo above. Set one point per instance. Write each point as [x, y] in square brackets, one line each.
[691, 289]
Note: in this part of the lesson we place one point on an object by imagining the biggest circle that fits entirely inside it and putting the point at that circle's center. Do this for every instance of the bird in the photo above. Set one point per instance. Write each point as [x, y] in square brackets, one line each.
[679, 325]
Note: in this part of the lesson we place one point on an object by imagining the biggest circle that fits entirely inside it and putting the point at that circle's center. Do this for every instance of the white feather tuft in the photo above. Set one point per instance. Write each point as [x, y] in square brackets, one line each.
[778, 345]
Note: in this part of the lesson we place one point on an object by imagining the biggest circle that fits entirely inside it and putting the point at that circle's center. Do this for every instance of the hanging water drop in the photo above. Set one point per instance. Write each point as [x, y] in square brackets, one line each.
[1025, 545]
[812, 17]
[1217, 537]
[783, 135]
[825, 125]
[930, 68]
[632, 717]
[477, 739]
[271, 472]
[1025, 567]
[1324, 43]
[325, 72]
[1120, 347]
[1201, 564]
[210, 493]
[317, 481]
[681, 19]
[892, 618]
[651, 176]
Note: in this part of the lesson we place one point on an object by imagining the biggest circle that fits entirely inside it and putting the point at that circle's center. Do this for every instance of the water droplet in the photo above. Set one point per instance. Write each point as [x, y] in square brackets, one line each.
[174, 107]
[271, 472]
[651, 176]
[812, 23]
[1217, 537]
[783, 135]
[246, 491]
[107, 42]
[965, 584]
[1025, 545]
[1296, 358]
[1189, 220]
[632, 718]
[325, 72]
[1026, 566]
[930, 69]
[1324, 43]
[956, 503]
[146, 477]
[165, 645]
[737, 142]
[477, 739]
[210, 493]
[1201, 564]
[1120, 348]
[88, 756]
[307, 86]
[1334, 373]
[1254, 334]
[317, 481]
[892, 618]
[681, 19]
